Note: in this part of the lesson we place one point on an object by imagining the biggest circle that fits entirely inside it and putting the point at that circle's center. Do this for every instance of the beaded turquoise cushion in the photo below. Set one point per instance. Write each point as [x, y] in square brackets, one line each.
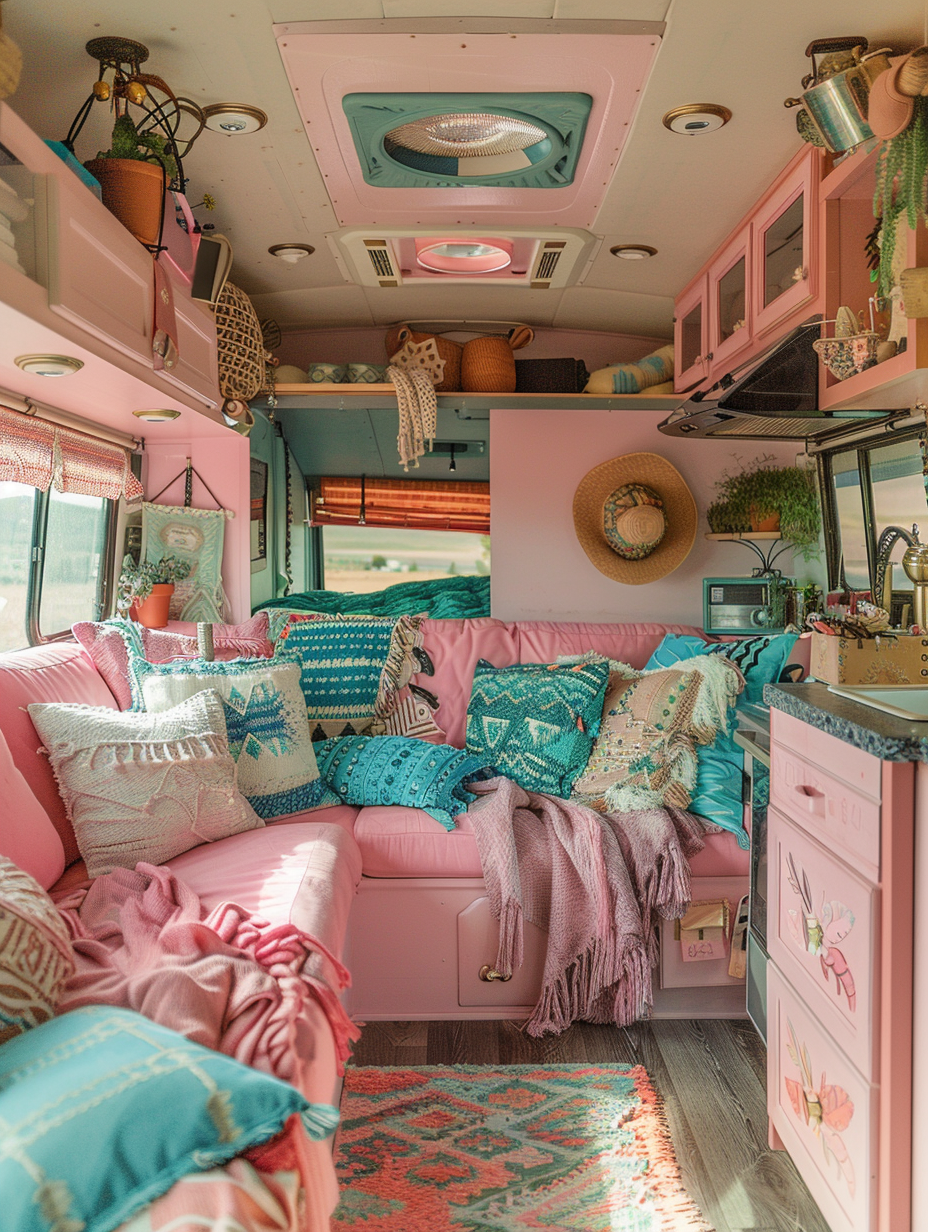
[535, 722]
[399, 770]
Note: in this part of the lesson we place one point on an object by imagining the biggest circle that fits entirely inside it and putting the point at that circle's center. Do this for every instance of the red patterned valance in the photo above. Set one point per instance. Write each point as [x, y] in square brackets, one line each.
[419, 504]
[40, 453]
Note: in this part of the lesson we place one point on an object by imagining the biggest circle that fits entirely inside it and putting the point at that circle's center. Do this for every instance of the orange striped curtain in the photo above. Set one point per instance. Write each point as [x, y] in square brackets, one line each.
[418, 504]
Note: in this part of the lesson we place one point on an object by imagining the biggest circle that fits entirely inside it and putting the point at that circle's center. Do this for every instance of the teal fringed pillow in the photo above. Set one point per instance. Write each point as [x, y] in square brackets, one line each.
[398, 770]
[535, 722]
[103, 1110]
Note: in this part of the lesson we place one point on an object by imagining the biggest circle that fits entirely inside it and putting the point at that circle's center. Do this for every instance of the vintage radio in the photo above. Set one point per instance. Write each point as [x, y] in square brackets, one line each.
[743, 605]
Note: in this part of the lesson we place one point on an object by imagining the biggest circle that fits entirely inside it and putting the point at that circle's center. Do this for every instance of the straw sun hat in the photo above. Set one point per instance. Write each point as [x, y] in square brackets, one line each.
[635, 518]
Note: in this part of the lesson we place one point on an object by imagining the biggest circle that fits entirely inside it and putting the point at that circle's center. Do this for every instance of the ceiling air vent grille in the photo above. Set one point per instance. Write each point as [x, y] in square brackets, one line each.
[547, 264]
[380, 259]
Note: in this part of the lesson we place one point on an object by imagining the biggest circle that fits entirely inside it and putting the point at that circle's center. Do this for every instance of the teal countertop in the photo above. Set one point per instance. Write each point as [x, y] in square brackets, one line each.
[883, 735]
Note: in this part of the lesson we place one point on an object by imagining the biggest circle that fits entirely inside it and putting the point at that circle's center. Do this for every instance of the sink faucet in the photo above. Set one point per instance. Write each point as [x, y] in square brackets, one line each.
[888, 539]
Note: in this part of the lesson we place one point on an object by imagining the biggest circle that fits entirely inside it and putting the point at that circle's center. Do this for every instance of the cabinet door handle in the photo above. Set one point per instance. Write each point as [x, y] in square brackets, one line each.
[489, 974]
[813, 800]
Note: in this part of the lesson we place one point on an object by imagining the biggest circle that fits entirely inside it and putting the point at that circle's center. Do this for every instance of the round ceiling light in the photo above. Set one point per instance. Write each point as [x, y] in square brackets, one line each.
[291, 253]
[633, 252]
[49, 365]
[466, 135]
[234, 118]
[157, 414]
[460, 256]
[694, 118]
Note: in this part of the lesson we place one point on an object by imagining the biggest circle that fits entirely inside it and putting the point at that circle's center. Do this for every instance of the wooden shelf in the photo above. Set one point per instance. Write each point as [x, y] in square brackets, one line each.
[734, 535]
[332, 394]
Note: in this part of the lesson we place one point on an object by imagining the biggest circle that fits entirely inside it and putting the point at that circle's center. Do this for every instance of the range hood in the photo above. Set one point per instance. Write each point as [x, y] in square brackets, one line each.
[774, 395]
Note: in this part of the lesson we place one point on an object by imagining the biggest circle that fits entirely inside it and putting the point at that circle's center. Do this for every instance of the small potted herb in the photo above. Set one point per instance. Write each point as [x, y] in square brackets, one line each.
[133, 175]
[764, 498]
[148, 588]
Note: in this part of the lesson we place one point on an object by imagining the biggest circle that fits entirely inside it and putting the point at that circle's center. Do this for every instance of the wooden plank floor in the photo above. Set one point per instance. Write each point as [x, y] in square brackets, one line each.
[711, 1076]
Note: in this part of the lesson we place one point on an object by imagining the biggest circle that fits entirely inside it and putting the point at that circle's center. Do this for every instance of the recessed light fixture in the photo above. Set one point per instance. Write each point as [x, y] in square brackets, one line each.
[157, 414]
[694, 118]
[633, 252]
[234, 118]
[291, 253]
[457, 256]
[49, 365]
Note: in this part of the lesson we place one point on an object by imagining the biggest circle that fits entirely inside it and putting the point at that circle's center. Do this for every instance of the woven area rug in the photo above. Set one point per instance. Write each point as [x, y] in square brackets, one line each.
[471, 1148]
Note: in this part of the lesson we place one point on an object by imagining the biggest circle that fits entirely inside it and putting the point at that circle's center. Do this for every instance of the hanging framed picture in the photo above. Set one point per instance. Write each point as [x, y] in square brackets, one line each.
[258, 515]
[196, 536]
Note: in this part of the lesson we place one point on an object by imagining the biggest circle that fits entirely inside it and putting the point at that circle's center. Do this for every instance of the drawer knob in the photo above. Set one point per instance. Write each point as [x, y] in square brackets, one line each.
[489, 974]
[813, 800]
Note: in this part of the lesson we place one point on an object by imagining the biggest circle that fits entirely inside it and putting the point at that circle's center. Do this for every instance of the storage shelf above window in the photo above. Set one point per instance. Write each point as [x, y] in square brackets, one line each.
[766, 535]
[331, 394]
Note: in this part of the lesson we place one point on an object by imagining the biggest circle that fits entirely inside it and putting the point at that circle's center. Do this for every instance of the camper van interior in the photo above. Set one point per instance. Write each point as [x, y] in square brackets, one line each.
[463, 616]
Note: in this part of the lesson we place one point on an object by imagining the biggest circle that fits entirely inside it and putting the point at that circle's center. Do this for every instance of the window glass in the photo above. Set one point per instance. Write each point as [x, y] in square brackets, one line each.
[74, 563]
[849, 505]
[17, 510]
[731, 291]
[361, 558]
[783, 260]
[899, 497]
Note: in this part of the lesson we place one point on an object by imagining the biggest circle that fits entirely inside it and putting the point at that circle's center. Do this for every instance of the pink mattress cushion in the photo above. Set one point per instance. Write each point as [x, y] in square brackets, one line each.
[107, 646]
[721, 857]
[454, 646]
[404, 842]
[55, 672]
[27, 837]
[296, 872]
[541, 641]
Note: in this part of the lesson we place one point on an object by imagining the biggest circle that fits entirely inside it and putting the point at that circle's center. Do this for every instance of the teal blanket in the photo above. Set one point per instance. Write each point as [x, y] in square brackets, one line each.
[451, 598]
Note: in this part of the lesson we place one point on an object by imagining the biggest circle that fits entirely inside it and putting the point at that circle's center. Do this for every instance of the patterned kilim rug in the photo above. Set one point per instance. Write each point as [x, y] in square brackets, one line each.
[471, 1148]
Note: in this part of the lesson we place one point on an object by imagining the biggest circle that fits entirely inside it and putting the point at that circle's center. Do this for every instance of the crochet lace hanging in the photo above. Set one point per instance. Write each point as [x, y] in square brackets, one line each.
[418, 413]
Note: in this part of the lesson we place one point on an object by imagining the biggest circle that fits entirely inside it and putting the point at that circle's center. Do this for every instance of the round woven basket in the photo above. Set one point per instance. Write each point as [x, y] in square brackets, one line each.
[488, 366]
[134, 192]
[241, 346]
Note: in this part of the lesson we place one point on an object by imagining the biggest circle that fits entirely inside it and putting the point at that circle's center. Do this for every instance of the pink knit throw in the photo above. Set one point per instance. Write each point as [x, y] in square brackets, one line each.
[593, 883]
[226, 979]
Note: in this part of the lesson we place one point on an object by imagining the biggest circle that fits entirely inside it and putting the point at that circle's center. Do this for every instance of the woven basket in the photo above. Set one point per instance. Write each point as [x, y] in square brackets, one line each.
[134, 191]
[488, 366]
[11, 63]
[241, 346]
[448, 350]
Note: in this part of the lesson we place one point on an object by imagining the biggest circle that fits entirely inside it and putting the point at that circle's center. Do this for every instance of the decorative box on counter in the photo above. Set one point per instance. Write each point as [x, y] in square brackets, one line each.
[878, 660]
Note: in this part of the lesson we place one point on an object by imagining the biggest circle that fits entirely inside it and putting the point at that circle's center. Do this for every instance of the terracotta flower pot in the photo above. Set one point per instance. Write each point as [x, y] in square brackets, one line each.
[134, 192]
[153, 611]
[768, 523]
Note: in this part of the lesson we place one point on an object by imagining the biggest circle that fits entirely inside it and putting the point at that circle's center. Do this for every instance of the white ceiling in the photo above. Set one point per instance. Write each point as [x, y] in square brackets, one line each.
[680, 194]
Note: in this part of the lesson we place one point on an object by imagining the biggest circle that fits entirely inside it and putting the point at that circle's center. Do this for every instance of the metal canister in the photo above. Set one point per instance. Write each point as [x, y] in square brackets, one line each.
[915, 564]
[836, 108]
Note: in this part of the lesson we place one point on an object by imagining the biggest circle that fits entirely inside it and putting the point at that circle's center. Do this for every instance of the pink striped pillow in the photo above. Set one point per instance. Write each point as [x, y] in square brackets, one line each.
[106, 646]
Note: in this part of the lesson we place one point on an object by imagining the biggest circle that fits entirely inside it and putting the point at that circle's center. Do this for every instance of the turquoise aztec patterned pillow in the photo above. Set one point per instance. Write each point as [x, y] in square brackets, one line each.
[397, 770]
[102, 1086]
[535, 722]
[353, 667]
[266, 721]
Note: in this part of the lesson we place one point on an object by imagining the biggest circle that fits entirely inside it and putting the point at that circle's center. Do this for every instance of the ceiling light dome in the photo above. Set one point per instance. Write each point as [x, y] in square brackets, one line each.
[463, 256]
[467, 135]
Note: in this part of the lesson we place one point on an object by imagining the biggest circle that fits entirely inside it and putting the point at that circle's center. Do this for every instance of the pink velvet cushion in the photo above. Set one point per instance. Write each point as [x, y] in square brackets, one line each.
[27, 837]
[454, 646]
[57, 672]
[404, 842]
[541, 641]
[106, 646]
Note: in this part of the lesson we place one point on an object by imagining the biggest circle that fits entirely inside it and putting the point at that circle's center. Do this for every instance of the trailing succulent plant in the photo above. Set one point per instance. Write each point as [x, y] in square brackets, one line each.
[136, 580]
[761, 490]
[901, 172]
[128, 142]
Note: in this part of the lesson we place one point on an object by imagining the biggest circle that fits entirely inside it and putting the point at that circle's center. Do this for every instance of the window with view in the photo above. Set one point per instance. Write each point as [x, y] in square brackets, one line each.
[362, 559]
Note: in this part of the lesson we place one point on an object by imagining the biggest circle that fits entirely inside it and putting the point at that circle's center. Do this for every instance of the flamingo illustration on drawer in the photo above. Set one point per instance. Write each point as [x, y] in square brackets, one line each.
[820, 932]
[826, 1109]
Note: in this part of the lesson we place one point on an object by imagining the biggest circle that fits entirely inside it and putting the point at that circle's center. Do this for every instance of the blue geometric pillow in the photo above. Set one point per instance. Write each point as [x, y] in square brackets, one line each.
[103, 1110]
[535, 722]
[399, 770]
[761, 658]
[266, 719]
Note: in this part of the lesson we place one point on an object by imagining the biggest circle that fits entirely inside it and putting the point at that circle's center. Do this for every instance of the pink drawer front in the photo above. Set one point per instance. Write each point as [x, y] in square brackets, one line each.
[839, 816]
[823, 933]
[478, 942]
[858, 769]
[823, 1109]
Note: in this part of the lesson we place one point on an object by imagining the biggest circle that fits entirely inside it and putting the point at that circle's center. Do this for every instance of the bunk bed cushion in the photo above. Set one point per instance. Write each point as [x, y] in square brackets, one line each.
[541, 641]
[405, 842]
[55, 672]
[454, 646]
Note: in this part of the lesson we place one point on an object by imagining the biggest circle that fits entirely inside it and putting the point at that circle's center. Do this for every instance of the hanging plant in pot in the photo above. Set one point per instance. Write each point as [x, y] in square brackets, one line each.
[769, 498]
[134, 174]
[147, 588]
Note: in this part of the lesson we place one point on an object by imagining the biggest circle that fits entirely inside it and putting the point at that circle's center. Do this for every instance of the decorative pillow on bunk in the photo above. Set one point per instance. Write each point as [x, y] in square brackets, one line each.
[356, 669]
[143, 786]
[36, 959]
[535, 722]
[397, 770]
[103, 1110]
[265, 715]
[653, 370]
[645, 753]
[761, 658]
[109, 643]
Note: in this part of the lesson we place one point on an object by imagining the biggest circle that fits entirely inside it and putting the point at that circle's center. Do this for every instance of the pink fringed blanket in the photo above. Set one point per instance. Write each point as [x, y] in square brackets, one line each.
[226, 979]
[594, 883]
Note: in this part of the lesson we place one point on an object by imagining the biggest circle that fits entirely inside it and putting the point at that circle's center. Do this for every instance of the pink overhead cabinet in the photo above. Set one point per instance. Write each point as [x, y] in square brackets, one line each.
[729, 301]
[785, 231]
[691, 336]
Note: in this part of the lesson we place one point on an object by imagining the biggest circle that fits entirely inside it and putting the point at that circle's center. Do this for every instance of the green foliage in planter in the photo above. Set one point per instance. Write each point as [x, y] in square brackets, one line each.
[128, 142]
[901, 172]
[137, 580]
[763, 490]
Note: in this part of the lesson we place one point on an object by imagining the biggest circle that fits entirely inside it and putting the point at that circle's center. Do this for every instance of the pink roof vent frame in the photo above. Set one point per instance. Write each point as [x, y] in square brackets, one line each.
[323, 67]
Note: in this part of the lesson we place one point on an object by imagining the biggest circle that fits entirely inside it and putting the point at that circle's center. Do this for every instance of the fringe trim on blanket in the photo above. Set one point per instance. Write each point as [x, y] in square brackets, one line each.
[604, 984]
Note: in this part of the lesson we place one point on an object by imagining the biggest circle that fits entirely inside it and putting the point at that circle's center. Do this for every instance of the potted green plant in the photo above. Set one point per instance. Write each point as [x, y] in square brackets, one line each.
[766, 497]
[133, 175]
[901, 174]
[147, 587]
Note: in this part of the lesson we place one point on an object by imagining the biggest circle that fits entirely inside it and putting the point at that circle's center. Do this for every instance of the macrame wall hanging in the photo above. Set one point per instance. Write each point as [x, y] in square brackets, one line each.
[194, 535]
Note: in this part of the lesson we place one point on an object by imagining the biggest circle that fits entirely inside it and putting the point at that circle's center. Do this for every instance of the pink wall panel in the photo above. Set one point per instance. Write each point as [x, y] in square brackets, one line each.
[540, 571]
